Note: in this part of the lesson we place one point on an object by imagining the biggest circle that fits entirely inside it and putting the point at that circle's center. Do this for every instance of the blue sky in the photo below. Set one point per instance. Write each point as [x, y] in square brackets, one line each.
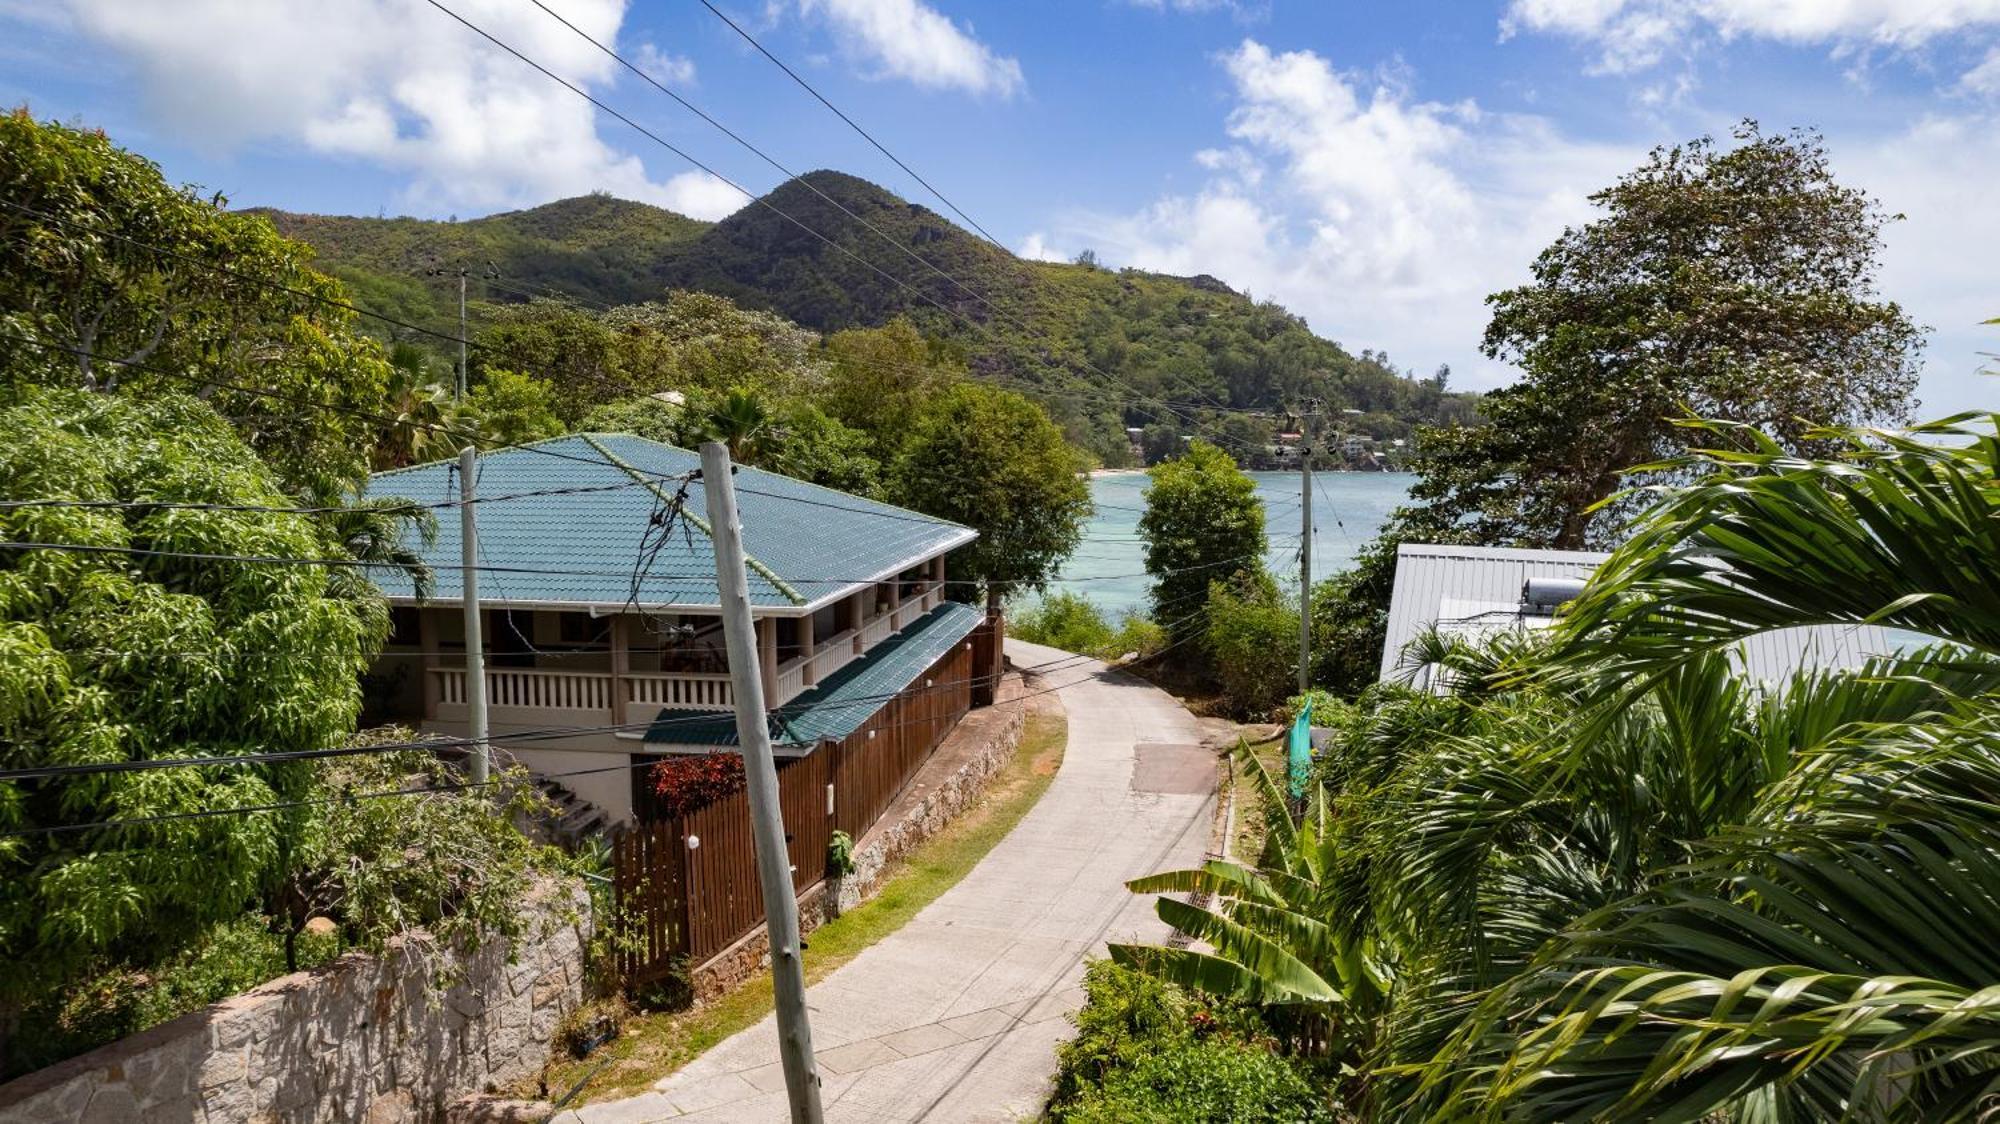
[1377, 168]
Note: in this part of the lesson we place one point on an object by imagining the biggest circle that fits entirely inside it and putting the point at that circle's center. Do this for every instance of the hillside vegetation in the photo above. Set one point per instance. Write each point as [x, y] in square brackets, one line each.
[1102, 349]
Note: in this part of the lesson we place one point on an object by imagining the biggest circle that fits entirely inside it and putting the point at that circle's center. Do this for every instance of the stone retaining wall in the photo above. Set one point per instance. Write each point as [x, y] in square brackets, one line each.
[361, 1039]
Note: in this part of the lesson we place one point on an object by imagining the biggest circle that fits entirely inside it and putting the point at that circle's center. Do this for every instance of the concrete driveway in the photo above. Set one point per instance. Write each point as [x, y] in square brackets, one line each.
[956, 1016]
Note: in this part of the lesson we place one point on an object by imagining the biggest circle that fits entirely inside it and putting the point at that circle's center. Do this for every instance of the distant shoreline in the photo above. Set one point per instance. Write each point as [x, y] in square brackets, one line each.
[1097, 472]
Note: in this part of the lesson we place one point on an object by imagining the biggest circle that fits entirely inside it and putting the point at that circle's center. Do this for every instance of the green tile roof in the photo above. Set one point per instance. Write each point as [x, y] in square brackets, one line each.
[839, 705]
[807, 543]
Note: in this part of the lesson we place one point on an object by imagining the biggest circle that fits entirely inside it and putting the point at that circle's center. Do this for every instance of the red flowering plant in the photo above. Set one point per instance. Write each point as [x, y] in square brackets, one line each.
[688, 784]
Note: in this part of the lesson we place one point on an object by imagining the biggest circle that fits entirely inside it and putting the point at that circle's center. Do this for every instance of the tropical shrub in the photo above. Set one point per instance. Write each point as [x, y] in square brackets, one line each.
[1252, 637]
[1150, 1051]
[1605, 876]
[1063, 620]
[684, 784]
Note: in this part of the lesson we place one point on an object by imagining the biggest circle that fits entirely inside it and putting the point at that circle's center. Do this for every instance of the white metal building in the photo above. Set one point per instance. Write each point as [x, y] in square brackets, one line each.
[1477, 590]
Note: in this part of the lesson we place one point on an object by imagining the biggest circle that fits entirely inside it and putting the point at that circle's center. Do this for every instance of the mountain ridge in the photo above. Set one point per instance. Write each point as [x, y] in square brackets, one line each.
[830, 250]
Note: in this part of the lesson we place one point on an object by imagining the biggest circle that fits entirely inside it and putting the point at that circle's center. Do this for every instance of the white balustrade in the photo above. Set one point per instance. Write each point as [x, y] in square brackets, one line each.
[681, 690]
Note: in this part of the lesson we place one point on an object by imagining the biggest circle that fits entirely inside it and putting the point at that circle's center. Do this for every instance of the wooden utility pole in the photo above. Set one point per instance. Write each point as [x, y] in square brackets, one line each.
[760, 774]
[475, 652]
[462, 273]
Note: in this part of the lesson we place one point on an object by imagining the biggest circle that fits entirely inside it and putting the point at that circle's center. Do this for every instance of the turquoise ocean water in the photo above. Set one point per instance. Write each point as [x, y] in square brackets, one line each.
[1348, 508]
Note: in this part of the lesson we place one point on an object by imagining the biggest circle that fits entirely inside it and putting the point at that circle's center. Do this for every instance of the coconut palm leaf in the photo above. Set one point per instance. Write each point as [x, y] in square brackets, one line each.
[1903, 530]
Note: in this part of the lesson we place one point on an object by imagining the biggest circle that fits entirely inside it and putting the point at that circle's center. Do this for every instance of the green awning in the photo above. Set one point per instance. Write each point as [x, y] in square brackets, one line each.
[838, 706]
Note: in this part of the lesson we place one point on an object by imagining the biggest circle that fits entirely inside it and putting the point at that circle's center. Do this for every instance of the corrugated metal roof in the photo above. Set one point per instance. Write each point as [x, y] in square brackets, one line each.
[808, 544]
[1478, 589]
[849, 697]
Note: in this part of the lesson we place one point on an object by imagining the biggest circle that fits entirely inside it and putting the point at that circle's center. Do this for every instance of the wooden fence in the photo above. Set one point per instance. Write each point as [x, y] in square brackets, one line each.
[690, 882]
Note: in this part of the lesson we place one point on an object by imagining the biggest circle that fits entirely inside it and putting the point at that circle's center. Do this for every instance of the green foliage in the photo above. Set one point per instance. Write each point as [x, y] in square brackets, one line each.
[790, 435]
[1062, 620]
[1160, 442]
[878, 379]
[451, 864]
[112, 657]
[90, 303]
[992, 460]
[1070, 621]
[1607, 877]
[510, 408]
[1148, 1051]
[232, 957]
[1203, 523]
[1734, 284]
[840, 855]
[645, 416]
[1065, 334]
[1252, 636]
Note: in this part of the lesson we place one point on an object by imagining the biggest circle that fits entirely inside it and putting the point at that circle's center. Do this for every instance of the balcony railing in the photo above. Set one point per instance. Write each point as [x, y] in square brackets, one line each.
[530, 694]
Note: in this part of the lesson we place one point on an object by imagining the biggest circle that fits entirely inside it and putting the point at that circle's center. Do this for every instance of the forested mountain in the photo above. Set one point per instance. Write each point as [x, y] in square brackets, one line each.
[1102, 348]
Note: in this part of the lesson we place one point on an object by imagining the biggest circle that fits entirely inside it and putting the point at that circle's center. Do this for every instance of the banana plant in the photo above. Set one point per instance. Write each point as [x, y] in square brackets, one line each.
[1268, 937]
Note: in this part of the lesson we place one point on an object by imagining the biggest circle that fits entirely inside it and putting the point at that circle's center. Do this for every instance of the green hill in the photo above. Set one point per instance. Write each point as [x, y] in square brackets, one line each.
[833, 251]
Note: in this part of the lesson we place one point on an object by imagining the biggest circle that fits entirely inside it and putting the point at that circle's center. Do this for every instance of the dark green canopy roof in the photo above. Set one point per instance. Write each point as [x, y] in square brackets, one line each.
[839, 705]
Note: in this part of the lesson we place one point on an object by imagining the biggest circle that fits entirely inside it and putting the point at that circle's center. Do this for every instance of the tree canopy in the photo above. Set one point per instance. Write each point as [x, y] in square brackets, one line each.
[992, 460]
[1203, 524]
[111, 657]
[113, 280]
[1736, 283]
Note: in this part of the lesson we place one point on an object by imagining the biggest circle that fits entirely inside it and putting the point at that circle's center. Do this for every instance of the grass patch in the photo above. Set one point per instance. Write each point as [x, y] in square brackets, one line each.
[651, 1046]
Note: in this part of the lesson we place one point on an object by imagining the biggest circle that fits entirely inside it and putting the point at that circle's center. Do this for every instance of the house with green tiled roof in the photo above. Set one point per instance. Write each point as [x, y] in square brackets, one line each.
[600, 610]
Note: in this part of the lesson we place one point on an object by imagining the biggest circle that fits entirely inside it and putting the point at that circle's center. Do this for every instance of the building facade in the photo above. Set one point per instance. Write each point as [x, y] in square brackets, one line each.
[601, 619]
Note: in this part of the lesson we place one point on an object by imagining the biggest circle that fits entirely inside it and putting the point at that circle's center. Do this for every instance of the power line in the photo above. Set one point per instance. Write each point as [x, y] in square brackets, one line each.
[761, 201]
[851, 123]
[670, 577]
[383, 509]
[546, 733]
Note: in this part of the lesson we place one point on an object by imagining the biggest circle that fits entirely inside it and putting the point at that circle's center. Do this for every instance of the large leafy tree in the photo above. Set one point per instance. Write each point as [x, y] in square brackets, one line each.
[114, 281]
[878, 379]
[993, 460]
[116, 646]
[1203, 524]
[1733, 283]
[1727, 282]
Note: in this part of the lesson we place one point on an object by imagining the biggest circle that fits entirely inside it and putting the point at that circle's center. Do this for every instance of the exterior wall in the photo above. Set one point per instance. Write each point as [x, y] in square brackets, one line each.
[360, 1039]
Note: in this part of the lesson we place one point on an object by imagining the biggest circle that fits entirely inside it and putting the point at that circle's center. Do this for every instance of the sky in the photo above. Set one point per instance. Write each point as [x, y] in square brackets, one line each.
[1376, 168]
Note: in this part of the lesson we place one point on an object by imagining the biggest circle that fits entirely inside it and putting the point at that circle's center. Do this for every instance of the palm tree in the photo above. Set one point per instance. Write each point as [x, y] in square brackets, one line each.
[740, 420]
[420, 410]
[1830, 956]
[1608, 878]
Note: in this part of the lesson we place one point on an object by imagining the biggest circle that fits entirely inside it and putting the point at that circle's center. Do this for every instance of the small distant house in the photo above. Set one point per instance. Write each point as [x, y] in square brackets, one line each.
[1475, 591]
[600, 615]
[1355, 444]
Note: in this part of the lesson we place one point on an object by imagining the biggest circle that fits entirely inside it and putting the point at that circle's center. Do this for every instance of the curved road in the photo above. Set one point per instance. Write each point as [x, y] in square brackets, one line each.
[956, 1016]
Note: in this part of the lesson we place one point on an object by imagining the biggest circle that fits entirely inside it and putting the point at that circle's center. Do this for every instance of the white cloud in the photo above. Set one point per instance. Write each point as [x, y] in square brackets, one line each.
[395, 83]
[1036, 248]
[668, 69]
[699, 195]
[1381, 218]
[908, 39]
[1634, 35]
[1385, 219]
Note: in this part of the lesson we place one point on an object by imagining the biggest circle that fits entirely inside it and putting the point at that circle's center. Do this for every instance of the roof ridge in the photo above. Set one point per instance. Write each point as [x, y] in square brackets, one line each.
[801, 482]
[750, 560]
[483, 453]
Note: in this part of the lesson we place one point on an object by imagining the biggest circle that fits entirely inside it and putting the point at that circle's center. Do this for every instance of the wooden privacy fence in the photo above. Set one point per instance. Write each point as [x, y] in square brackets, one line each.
[689, 882]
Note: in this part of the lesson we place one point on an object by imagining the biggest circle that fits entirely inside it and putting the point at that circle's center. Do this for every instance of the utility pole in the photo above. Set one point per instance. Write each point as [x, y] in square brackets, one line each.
[760, 773]
[475, 650]
[462, 273]
[1306, 542]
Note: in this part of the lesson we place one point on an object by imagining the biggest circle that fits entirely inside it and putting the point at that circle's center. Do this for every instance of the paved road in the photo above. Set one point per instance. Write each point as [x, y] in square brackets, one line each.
[956, 1016]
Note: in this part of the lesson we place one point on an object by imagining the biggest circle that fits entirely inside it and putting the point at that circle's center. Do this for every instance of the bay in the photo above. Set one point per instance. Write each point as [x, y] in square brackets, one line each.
[1348, 509]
